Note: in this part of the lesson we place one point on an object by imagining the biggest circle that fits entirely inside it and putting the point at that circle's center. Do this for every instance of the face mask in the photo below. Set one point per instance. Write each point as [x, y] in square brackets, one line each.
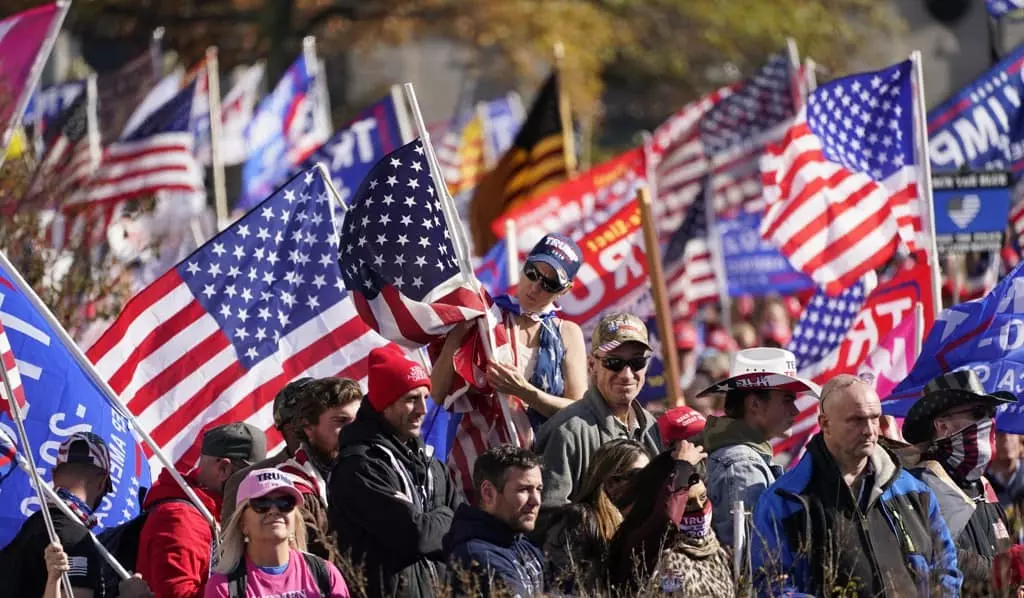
[967, 453]
[696, 525]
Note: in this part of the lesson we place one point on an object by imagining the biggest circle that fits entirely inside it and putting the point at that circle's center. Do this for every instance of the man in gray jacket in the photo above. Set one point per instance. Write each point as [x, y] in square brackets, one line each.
[619, 356]
[760, 404]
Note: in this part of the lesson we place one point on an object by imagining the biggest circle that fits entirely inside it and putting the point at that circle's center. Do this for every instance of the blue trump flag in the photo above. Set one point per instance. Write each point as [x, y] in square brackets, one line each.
[986, 336]
[352, 151]
[62, 399]
[982, 125]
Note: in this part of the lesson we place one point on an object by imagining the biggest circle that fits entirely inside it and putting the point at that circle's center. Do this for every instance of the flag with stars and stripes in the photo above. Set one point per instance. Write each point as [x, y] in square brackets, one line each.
[736, 130]
[689, 272]
[841, 187]
[12, 379]
[214, 339]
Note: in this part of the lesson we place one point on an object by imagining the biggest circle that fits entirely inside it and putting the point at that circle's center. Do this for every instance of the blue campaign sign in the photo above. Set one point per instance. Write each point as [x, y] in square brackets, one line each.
[982, 126]
[62, 400]
[351, 152]
[503, 122]
[971, 211]
[986, 336]
[754, 266]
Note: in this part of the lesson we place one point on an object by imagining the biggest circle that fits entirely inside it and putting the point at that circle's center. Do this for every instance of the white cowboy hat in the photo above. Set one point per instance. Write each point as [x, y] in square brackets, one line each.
[764, 368]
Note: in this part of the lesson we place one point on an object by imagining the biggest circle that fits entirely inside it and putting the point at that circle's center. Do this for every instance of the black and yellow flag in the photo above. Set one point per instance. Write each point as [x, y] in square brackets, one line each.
[535, 162]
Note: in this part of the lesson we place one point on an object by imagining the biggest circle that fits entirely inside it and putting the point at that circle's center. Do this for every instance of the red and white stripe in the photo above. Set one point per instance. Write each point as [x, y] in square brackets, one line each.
[163, 162]
[692, 283]
[832, 223]
[12, 384]
[178, 372]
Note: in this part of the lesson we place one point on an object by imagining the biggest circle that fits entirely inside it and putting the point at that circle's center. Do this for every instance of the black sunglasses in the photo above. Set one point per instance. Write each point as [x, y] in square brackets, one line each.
[617, 364]
[533, 274]
[262, 505]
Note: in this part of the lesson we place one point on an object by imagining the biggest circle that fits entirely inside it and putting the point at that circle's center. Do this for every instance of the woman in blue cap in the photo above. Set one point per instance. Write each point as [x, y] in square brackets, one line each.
[550, 369]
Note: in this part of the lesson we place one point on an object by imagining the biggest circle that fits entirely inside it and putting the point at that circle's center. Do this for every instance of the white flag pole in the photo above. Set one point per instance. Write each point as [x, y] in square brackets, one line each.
[461, 244]
[220, 193]
[33, 77]
[112, 398]
[924, 179]
[401, 114]
[33, 473]
[511, 252]
[322, 116]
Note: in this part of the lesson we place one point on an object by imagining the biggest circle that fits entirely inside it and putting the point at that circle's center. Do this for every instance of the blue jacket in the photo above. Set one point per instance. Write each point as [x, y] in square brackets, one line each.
[482, 544]
[888, 539]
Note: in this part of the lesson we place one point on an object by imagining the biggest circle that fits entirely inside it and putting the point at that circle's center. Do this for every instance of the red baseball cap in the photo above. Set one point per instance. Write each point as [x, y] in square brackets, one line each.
[686, 335]
[680, 423]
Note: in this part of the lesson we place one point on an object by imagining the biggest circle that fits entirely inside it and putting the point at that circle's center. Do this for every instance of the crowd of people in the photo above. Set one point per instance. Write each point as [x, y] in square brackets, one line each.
[606, 498]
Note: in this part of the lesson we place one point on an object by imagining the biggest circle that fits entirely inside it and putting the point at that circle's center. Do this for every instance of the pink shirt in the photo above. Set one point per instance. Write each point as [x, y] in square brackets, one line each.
[297, 581]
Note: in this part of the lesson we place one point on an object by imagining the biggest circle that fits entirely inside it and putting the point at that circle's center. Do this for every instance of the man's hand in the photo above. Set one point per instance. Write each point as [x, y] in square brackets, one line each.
[689, 452]
[135, 587]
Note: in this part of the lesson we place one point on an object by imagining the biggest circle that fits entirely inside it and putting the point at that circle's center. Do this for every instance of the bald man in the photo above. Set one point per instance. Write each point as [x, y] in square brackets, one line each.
[871, 524]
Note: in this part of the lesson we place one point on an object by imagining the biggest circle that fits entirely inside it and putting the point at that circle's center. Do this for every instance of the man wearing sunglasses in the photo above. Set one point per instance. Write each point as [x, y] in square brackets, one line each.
[619, 355]
[954, 424]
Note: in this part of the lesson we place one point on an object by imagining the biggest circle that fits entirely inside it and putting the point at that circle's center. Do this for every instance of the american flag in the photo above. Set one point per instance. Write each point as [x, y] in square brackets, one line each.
[680, 162]
[72, 148]
[689, 273]
[736, 130]
[824, 324]
[155, 157]
[260, 304]
[399, 261]
[841, 186]
[11, 374]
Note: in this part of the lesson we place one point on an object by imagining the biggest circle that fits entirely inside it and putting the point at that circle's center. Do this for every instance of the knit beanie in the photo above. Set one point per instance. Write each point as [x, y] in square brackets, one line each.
[392, 375]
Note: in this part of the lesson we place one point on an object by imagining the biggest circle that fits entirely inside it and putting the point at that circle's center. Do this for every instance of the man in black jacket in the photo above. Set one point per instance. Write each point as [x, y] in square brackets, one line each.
[391, 503]
[954, 423]
[487, 546]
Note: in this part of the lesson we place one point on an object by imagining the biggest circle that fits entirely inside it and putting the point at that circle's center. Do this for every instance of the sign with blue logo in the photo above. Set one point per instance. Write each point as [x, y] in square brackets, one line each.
[754, 266]
[971, 211]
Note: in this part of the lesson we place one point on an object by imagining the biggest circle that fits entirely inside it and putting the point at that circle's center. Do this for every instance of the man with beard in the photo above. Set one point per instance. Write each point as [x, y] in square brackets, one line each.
[489, 543]
[322, 408]
[953, 423]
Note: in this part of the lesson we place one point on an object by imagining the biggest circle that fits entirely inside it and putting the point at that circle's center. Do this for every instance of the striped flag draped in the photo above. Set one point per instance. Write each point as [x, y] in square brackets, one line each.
[841, 186]
[215, 338]
[13, 377]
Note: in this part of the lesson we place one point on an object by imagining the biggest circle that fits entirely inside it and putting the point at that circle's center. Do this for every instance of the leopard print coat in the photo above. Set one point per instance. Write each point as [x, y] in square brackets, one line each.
[687, 570]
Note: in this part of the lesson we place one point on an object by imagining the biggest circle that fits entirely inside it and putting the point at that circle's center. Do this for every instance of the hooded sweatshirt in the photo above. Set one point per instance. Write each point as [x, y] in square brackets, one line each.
[740, 467]
[176, 542]
[486, 546]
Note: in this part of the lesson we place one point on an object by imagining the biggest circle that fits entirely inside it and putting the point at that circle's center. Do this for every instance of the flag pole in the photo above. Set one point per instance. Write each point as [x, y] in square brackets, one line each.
[220, 193]
[511, 252]
[661, 309]
[33, 77]
[919, 337]
[322, 116]
[798, 84]
[112, 398]
[401, 114]
[461, 244]
[565, 112]
[715, 249]
[924, 170]
[156, 51]
[37, 481]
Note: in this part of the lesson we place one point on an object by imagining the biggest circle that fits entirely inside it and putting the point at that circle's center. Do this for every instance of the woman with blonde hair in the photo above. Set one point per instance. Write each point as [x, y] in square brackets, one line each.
[575, 537]
[263, 546]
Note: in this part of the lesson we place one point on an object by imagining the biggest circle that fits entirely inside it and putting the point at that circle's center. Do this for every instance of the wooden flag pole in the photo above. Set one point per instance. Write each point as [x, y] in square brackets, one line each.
[33, 78]
[924, 173]
[33, 473]
[461, 244]
[112, 398]
[565, 112]
[220, 193]
[669, 358]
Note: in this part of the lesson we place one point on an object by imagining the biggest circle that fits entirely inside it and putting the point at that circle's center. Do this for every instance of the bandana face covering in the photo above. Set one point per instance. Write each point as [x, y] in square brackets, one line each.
[696, 526]
[967, 453]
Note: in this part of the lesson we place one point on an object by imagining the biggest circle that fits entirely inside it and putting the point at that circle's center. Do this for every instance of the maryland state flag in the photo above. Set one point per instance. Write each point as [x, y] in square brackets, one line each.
[535, 162]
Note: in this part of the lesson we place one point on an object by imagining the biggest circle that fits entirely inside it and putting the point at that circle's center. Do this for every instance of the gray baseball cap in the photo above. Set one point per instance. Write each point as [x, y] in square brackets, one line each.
[237, 440]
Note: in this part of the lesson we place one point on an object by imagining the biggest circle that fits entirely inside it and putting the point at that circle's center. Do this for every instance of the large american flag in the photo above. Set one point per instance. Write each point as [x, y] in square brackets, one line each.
[155, 157]
[213, 339]
[73, 148]
[736, 130]
[688, 267]
[824, 324]
[10, 366]
[399, 260]
[841, 186]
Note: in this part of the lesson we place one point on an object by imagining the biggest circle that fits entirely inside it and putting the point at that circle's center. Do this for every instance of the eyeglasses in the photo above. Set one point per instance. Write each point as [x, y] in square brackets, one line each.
[533, 274]
[617, 364]
[263, 504]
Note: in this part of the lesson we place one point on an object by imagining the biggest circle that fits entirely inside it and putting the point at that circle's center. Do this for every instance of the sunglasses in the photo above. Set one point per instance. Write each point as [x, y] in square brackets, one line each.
[533, 274]
[263, 504]
[617, 364]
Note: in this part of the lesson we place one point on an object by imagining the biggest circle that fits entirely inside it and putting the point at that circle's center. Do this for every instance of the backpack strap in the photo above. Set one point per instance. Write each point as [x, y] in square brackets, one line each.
[236, 580]
[318, 567]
